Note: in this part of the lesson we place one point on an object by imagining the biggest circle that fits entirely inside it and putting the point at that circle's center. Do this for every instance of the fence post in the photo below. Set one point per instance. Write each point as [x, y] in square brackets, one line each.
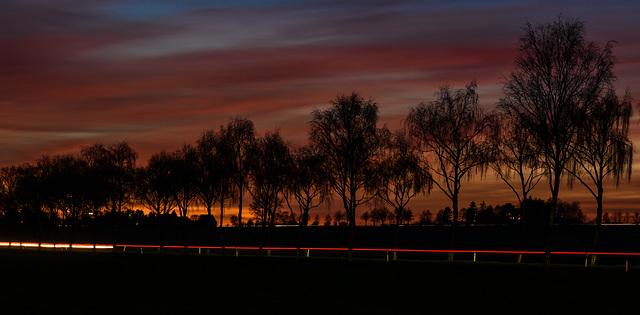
[586, 259]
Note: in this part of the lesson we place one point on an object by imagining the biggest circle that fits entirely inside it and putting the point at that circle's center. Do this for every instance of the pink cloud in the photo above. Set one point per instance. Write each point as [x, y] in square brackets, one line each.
[77, 74]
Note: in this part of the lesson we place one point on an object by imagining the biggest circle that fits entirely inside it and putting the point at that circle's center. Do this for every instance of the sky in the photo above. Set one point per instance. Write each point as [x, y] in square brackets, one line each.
[158, 73]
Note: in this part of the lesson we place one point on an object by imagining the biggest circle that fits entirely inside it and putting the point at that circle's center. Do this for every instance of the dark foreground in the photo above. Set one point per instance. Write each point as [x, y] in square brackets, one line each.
[126, 283]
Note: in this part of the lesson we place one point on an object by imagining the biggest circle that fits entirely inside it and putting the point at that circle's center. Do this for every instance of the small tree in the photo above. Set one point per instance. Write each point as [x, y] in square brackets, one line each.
[380, 214]
[407, 216]
[327, 220]
[365, 217]
[338, 217]
[425, 217]
[471, 212]
[234, 220]
[444, 216]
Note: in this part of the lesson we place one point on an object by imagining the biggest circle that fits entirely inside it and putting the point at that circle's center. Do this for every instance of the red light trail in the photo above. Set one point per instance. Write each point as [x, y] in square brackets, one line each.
[468, 251]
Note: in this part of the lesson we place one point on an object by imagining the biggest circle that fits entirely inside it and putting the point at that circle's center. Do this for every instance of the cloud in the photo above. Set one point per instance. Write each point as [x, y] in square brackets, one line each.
[159, 73]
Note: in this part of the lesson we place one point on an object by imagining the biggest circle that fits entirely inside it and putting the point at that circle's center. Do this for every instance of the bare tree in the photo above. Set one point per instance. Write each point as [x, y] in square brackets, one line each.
[399, 176]
[557, 75]
[307, 187]
[110, 179]
[407, 216]
[380, 214]
[452, 134]
[154, 184]
[65, 187]
[516, 157]
[122, 162]
[338, 218]
[183, 172]
[348, 138]
[327, 220]
[425, 217]
[208, 169]
[307, 183]
[237, 139]
[270, 161]
[11, 179]
[603, 149]
[365, 217]
[214, 171]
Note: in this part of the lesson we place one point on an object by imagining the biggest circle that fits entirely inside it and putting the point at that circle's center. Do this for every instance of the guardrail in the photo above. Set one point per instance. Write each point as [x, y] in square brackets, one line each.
[389, 253]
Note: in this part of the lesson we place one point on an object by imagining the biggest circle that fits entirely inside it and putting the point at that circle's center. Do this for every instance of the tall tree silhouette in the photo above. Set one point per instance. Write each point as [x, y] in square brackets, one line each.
[451, 132]
[65, 183]
[347, 136]
[270, 161]
[558, 74]
[110, 178]
[122, 162]
[603, 149]
[184, 174]
[238, 137]
[214, 170]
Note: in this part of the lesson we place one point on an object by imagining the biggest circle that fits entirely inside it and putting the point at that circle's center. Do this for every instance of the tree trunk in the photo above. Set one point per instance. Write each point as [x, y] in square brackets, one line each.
[596, 237]
[454, 224]
[241, 188]
[352, 237]
[221, 217]
[552, 213]
[221, 211]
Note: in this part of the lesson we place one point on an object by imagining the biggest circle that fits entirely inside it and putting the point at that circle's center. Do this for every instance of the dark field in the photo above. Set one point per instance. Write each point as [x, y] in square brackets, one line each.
[119, 283]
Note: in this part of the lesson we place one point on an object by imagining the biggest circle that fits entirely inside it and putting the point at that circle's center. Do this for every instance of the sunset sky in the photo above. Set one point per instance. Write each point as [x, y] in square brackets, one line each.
[158, 73]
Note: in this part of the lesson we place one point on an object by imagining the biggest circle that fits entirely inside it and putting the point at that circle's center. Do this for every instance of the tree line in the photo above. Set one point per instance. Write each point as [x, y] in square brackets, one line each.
[559, 118]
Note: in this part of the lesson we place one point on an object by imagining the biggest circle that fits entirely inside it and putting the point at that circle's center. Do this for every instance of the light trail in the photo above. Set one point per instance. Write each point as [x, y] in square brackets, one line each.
[10, 244]
[55, 245]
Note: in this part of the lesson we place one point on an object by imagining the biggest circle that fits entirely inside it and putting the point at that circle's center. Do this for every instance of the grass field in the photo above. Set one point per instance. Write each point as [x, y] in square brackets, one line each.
[126, 283]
